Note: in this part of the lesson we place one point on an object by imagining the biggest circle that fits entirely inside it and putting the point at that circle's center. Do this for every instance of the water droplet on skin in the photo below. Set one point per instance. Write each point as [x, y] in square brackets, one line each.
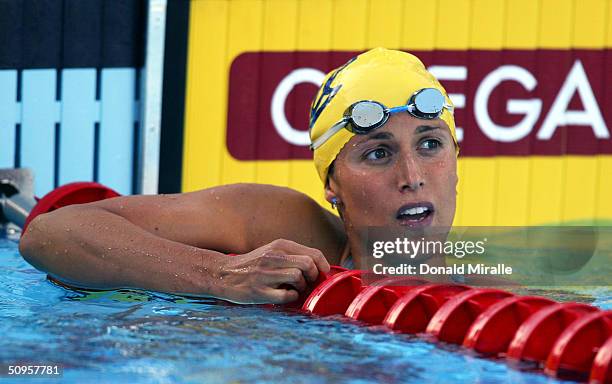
[121, 207]
[110, 249]
[217, 197]
[68, 229]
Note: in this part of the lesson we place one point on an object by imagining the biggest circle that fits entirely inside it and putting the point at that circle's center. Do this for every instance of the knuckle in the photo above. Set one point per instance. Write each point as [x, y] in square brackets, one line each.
[260, 261]
[278, 242]
[271, 254]
[310, 264]
[268, 247]
[295, 275]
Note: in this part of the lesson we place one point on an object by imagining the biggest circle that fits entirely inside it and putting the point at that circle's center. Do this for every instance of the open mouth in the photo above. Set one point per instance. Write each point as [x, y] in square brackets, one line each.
[415, 214]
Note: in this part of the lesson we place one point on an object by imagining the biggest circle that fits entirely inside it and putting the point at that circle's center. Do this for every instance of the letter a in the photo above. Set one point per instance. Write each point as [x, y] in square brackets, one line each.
[576, 80]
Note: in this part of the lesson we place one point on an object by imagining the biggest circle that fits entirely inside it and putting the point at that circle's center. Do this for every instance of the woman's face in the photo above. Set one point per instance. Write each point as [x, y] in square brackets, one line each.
[401, 174]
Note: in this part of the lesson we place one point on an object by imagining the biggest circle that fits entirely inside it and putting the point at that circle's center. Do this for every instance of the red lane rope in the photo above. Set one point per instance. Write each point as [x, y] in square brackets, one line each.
[572, 338]
[412, 312]
[602, 365]
[453, 319]
[372, 304]
[576, 347]
[536, 336]
[494, 329]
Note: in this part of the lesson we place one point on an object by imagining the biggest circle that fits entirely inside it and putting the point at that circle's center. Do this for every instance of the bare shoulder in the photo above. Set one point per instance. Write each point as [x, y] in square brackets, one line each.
[274, 212]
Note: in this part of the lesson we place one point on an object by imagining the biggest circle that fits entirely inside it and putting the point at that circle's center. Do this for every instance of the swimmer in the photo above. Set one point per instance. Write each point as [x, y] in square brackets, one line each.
[384, 145]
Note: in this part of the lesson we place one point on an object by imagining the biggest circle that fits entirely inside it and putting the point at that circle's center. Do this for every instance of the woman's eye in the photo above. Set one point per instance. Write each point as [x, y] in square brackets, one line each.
[377, 154]
[430, 144]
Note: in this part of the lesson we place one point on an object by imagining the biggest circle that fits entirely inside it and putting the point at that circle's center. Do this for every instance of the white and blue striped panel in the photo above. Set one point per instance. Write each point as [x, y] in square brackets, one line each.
[39, 114]
[117, 116]
[76, 138]
[80, 112]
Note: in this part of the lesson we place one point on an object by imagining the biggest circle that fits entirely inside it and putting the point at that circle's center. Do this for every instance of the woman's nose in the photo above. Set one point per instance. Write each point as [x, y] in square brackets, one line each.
[410, 176]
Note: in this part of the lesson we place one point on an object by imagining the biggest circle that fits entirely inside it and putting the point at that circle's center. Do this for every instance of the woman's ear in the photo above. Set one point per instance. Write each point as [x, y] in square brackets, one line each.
[330, 195]
[332, 198]
[330, 191]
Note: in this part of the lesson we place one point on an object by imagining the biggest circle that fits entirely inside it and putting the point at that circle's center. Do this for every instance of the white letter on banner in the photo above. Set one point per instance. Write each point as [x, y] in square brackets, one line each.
[531, 107]
[576, 80]
[277, 110]
[452, 73]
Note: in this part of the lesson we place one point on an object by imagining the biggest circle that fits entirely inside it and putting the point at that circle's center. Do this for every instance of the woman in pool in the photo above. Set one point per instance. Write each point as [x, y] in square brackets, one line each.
[394, 168]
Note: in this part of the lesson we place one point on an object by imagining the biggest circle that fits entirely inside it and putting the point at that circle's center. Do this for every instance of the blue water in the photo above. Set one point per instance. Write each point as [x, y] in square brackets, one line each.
[139, 337]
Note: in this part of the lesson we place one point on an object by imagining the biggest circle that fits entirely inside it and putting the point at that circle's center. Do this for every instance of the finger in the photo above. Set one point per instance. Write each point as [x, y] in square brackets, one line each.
[288, 276]
[292, 247]
[280, 296]
[302, 262]
[307, 265]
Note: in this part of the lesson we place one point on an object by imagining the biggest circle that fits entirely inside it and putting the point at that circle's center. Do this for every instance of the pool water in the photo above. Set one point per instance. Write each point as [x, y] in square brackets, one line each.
[141, 337]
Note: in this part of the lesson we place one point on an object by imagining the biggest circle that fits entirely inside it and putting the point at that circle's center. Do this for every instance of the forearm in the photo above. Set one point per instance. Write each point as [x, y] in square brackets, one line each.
[91, 247]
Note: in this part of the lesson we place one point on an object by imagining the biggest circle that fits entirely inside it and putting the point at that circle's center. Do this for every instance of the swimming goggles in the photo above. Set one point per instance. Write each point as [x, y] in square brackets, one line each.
[365, 116]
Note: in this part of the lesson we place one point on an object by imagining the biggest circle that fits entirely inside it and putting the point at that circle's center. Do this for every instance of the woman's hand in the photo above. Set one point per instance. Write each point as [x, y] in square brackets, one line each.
[274, 273]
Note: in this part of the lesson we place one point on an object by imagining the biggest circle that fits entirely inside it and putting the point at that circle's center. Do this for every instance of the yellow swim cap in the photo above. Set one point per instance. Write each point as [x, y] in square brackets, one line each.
[387, 76]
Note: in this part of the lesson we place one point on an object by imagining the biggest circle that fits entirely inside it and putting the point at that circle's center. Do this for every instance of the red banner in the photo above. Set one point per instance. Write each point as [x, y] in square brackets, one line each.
[509, 102]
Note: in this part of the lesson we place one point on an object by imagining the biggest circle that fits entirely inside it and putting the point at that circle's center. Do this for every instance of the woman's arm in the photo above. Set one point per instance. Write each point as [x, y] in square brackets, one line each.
[176, 243]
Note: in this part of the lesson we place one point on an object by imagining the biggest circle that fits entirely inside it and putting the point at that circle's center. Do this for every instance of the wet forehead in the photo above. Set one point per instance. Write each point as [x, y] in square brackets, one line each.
[402, 127]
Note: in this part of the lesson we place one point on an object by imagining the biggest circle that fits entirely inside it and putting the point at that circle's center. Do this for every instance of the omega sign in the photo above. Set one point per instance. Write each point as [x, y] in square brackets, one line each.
[512, 103]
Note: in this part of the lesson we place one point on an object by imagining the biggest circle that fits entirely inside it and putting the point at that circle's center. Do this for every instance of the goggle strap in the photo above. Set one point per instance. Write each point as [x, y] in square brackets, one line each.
[401, 108]
[329, 133]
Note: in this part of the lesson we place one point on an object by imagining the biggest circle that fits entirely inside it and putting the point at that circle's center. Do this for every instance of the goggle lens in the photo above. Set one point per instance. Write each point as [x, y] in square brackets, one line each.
[429, 102]
[367, 114]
